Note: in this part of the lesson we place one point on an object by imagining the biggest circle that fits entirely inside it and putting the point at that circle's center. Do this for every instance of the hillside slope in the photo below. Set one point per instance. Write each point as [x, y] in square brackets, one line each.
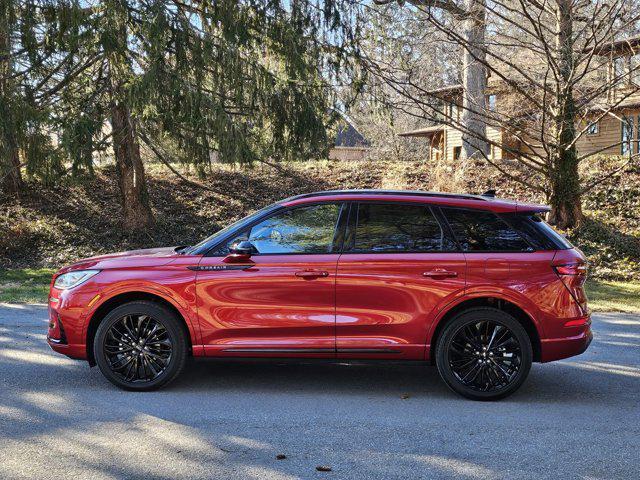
[49, 227]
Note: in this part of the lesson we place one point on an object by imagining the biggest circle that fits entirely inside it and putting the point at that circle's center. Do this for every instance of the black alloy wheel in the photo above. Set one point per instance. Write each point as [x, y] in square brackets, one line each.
[140, 346]
[484, 354]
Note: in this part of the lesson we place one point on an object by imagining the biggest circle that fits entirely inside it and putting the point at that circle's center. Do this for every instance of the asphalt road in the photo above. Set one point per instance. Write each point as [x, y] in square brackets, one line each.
[578, 418]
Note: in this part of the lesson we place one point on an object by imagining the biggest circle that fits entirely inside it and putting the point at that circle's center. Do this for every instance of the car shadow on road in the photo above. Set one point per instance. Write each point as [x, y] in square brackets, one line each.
[73, 411]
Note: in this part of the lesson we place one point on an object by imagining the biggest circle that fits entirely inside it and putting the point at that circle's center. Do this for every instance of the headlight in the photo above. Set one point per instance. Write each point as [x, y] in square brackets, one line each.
[73, 279]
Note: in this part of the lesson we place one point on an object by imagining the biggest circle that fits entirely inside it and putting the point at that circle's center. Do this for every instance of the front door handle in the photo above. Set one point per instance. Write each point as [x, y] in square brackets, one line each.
[440, 273]
[312, 273]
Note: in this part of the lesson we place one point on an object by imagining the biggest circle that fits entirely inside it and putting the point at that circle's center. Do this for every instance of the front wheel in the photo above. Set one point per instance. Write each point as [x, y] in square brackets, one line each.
[140, 345]
[484, 354]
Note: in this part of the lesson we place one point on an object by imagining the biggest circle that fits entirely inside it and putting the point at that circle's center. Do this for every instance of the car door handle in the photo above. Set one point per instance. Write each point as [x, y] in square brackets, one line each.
[312, 273]
[440, 273]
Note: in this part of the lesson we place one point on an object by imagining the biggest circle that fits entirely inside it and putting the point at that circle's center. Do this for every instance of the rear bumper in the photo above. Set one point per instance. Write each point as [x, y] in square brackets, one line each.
[579, 336]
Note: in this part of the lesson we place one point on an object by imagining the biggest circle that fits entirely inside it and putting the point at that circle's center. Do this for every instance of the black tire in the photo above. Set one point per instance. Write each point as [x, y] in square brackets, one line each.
[472, 370]
[143, 334]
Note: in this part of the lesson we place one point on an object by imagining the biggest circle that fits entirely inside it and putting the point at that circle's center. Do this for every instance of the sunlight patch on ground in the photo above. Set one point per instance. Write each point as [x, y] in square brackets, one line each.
[635, 336]
[619, 344]
[139, 438]
[458, 468]
[35, 357]
[14, 414]
[605, 368]
[46, 401]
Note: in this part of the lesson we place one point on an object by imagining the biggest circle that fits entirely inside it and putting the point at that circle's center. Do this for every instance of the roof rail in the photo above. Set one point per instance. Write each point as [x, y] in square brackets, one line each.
[389, 192]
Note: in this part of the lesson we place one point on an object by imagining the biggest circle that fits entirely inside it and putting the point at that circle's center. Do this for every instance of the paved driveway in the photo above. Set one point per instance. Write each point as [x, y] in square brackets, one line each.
[578, 418]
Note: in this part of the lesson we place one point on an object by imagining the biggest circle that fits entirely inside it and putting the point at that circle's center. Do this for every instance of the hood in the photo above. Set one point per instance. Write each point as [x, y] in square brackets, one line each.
[132, 258]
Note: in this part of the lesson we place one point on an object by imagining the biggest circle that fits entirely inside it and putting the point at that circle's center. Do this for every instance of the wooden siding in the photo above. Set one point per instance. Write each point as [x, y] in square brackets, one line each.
[608, 139]
[347, 153]
[454, 139]
[609, 134]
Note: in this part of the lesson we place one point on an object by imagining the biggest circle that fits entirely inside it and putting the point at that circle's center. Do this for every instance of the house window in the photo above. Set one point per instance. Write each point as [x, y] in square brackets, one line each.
[627, 135]
[634, 70]
[619, 69]
[593, 128]
[638, 137]
[457, 153]
[454, 112]
[491, 102]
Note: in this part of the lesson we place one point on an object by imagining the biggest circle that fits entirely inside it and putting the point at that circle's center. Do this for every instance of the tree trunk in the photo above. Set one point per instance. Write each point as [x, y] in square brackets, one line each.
[131, 177]
[474, 80]
[130, 169]
[566, 207]
[10, 175]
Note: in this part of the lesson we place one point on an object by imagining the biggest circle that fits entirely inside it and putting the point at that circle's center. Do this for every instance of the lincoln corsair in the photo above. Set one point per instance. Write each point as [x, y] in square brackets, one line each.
[478, 287]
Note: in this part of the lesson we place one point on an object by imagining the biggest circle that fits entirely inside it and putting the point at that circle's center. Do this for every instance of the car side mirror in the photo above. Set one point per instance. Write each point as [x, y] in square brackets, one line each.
[240, 252]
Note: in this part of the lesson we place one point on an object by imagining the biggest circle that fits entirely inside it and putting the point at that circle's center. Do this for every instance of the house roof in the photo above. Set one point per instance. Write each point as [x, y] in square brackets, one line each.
[446, 91]
[349, 136]
[627, 46]
[423, 132]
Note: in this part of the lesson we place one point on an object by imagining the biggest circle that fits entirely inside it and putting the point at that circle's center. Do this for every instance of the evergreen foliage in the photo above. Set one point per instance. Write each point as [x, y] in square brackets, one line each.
[241, 80]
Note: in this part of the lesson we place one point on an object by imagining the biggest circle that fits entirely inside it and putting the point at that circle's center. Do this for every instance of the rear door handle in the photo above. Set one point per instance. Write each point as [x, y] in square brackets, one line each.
[312, 273]
[440, 273]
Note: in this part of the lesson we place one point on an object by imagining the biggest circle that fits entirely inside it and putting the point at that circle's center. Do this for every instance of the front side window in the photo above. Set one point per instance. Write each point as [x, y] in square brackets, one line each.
[308, 229]
[483, 231]
[397, 228]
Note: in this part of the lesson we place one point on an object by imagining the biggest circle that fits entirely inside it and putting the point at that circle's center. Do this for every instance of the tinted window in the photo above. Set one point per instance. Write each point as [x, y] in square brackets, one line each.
[483, 231]
[537, 231]
[398, 228]
[298, 230]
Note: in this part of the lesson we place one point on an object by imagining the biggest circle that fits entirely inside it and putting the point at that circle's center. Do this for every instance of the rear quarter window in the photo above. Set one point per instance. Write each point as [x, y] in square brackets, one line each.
[484, 231]
[537, 231]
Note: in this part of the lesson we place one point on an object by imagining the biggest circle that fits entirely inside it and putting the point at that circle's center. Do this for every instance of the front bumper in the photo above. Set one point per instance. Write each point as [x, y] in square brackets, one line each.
[67, 323]
[75, 351]
[577, 340]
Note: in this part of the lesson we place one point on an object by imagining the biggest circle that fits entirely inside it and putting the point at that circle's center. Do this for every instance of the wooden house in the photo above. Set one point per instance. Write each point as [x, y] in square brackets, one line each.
[612, 121]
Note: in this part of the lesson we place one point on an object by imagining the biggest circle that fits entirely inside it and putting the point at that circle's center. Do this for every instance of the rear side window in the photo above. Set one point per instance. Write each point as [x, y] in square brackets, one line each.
[483, 231]
[396, 228]
[537, 231]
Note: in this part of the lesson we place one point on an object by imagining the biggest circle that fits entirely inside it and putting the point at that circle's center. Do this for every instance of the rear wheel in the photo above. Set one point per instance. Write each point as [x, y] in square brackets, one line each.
[140, 346]
[484, 354]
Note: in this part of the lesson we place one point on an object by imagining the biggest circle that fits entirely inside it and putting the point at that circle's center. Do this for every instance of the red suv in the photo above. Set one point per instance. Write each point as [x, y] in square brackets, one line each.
[479, 287]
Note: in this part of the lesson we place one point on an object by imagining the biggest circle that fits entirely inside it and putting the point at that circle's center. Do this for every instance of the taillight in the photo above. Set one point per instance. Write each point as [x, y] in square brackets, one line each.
[573, 276]
[571, 269]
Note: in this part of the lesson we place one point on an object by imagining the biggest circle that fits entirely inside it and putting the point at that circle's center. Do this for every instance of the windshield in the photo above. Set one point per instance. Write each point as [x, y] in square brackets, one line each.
[220, 234]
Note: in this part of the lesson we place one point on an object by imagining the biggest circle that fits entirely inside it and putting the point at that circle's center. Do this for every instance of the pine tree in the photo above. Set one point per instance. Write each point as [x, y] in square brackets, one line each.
[243, 81]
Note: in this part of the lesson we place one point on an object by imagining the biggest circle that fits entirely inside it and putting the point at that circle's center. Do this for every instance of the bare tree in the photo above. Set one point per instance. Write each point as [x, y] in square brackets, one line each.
[553, 63]
[471, 18]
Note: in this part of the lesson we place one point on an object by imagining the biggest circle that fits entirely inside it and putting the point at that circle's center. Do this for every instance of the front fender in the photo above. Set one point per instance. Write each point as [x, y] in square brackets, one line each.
[185, 306]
